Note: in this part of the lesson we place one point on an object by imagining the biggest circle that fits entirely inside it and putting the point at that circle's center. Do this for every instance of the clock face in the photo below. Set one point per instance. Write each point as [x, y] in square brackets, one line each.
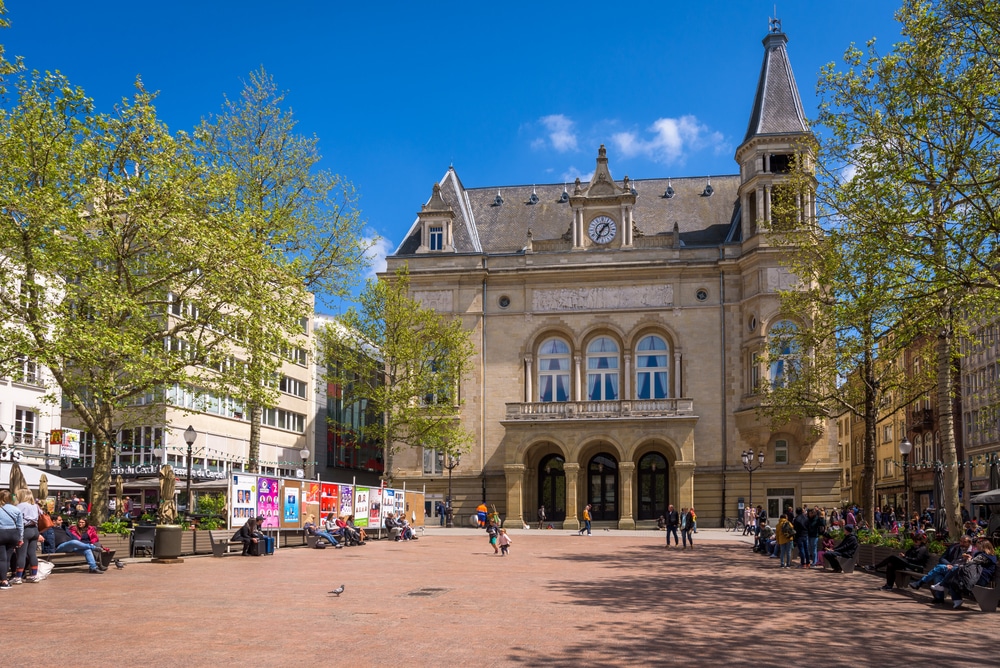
[602, 229]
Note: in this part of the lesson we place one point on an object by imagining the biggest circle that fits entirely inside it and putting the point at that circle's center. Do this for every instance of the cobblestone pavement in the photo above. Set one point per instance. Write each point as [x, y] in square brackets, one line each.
[615, 598]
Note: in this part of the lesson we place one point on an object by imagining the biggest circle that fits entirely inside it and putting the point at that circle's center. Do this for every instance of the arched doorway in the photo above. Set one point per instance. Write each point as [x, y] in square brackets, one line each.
[602, 487]
[552, 488]
[653, 486]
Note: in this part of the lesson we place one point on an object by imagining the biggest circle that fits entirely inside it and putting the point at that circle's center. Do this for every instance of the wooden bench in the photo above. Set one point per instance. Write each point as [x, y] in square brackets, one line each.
[903, 577]
[222, 544]
[61, 559]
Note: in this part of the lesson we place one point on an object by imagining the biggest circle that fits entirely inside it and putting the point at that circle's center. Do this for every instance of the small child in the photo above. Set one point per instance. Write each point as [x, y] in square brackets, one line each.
[505, 542]
[493, 532]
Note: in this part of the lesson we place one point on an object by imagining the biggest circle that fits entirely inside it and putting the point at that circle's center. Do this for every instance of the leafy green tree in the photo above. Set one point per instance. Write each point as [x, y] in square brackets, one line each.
[407, 362]
[913, 135]
[102, 230]
[304, 222]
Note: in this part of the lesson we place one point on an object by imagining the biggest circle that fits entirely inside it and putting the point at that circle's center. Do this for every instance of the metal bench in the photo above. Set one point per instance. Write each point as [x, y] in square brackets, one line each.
[846, 563]
[60, 559]
[987, 597]
[222, 544]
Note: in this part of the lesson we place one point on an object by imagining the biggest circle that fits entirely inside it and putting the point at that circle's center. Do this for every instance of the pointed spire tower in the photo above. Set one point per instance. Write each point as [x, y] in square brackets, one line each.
[777, 133]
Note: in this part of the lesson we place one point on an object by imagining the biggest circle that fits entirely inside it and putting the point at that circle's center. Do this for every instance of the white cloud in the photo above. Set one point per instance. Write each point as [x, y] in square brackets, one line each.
[376, 255]
[671, 141]
[571, 175]
[561, 132]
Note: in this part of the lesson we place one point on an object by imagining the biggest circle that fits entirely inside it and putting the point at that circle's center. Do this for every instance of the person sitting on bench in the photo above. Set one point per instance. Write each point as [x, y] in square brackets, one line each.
[313, 530]
[845, 550]
[66, 542]
[914, 559]
[978, 569]
[953, 555]
[250, 537]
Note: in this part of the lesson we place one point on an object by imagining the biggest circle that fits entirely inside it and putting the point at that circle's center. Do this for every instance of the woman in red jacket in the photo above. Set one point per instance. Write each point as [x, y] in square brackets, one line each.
[85, 533]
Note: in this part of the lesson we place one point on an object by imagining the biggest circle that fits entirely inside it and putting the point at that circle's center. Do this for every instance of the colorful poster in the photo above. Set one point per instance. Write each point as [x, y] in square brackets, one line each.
[312, 493]
[328, 501]
[361, 507]
[388, 502]
[291, 502]
[346, 500]
[268, 502]
[242, 499]
[400, 505]
[375, 507]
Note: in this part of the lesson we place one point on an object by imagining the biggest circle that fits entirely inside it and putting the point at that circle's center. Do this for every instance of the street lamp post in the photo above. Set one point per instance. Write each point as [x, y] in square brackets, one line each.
[452, 463]
[749, 467]
[3, 434]
[304, 453]
[189, 437]
[905, 447]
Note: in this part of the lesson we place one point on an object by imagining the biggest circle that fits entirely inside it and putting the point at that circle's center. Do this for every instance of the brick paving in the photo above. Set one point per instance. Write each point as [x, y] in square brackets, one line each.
[616, 598]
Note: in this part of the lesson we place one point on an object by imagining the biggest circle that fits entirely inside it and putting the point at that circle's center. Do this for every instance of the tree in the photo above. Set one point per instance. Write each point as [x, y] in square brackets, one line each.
[407, 362]
[302, 220]
[916, 133]
[102, 231]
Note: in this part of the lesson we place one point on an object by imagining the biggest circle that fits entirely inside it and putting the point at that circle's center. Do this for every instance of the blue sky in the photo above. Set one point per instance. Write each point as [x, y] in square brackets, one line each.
[509, 92]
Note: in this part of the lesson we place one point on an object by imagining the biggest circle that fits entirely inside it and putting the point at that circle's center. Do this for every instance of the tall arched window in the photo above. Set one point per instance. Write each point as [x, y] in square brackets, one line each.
[651, 369]
[602, 370]
[552, 487]
[553, 371]
[784, 352]
[653, 486]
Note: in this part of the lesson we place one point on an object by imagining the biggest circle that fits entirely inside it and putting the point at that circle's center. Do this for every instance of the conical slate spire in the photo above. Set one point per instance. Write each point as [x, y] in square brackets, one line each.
[777, 107]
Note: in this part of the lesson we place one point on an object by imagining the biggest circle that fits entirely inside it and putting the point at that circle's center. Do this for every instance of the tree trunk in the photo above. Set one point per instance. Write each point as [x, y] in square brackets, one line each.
[871, 426]
[256, 413]
[946, 430]
[101, 479]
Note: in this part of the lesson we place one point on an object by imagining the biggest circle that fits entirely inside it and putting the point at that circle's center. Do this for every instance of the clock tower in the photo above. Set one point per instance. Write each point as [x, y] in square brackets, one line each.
[602, 212]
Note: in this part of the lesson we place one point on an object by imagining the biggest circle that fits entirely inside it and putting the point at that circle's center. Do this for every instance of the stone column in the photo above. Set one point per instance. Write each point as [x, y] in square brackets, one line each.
[572, 470]
[684, 473]
[529, 391]
[677, 375]
[626, 476]
[627, 384]
[514, 474]
[578, 390]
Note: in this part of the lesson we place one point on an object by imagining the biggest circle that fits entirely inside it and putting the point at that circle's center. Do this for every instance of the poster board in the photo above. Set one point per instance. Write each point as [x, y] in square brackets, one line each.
[361, 507]
[329, 502]
[375, 507]
[291, 504]
[415, 508]
[268, 502]
[242, 499]
[346, 500]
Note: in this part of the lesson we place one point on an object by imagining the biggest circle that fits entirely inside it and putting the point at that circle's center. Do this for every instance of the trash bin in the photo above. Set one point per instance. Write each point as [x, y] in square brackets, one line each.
[167, 541]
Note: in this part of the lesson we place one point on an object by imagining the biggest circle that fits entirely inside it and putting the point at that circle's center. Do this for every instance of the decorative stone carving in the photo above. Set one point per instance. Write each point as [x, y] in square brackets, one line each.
[779, 278]
[438, 300]
[595, 299]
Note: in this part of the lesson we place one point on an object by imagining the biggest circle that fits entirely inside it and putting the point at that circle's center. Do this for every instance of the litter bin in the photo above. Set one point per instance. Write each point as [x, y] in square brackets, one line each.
[167, 541]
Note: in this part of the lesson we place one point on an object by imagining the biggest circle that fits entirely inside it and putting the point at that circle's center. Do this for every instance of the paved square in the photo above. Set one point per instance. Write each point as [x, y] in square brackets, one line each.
[616, 598]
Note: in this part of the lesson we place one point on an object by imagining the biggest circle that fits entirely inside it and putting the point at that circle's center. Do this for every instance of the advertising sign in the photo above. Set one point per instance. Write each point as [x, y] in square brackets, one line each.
[375, 507]
[361, 507]
[312, 493]
[291, 504]
[328, 501]
[268, 502]
[68, 441]
[243, 499]
[346, 500]
[400, 504]
[388, 502]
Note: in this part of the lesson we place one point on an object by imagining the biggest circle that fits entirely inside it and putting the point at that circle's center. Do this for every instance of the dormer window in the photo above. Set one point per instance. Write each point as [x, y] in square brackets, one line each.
[436, 238]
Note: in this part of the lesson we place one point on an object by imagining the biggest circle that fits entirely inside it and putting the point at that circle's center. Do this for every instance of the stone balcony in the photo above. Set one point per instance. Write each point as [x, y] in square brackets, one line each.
[600, 410]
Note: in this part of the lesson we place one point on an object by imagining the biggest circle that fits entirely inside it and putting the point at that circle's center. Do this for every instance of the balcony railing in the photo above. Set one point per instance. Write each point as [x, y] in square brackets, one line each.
[922, 418]
[589, 410]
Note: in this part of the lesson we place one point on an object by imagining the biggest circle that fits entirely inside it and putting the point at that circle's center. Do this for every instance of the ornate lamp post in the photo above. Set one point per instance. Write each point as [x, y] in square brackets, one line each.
[304, 453]
[189, 437]
[905, 447]
[750, 467]
[452, 463]
[3, 434]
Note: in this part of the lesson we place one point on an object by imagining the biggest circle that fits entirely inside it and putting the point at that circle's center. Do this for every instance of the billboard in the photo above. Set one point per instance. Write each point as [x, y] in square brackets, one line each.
[291, 502]
[346, 500]
[361, 507]
[268, 502]
[243, 499]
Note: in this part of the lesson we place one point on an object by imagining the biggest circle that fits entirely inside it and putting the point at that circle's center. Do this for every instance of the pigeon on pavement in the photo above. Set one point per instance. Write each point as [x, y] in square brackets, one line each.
[118, 564]
[338, 591]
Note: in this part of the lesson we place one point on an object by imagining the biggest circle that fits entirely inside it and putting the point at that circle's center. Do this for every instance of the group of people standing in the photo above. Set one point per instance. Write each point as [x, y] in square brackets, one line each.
[686, 520]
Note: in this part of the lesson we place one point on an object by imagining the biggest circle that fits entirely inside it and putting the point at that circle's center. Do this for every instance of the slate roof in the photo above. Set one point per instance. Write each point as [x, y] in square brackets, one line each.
[777, 107]
[702, 220]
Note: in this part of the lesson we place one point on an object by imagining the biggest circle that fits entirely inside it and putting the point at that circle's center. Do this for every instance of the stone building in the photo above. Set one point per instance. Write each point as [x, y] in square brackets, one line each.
[621, 325]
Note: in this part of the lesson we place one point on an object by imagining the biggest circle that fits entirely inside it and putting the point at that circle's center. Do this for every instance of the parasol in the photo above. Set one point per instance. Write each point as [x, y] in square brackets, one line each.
[168, 506]
[16, 480]
[43, 487]
[119, 493]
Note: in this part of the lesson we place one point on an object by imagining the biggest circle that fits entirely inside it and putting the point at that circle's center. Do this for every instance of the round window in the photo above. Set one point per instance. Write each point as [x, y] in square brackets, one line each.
[752, 323]
[504, 301]
[701, 295]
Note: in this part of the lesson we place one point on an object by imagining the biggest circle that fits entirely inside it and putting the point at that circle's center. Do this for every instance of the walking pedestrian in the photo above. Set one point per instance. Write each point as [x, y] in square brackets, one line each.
[586, 520]
[673, 520]
[687, 527]
[504, 541]
[541, 516]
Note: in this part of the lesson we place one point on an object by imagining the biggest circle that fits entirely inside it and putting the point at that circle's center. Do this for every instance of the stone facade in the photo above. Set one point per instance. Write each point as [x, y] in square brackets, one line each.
[619, 327]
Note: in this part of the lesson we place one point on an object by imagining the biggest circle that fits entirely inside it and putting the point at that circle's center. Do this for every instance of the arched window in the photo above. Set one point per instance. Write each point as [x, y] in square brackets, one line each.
[784, 353]
[552, 487]
[653, 486]
[602, 487]
[602, 370]
[553, 371]
[651, 369]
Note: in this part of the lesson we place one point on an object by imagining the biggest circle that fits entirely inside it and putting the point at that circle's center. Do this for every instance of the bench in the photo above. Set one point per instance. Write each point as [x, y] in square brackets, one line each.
[60, 559]
[222, 544]
[846, 563]
[903, 577]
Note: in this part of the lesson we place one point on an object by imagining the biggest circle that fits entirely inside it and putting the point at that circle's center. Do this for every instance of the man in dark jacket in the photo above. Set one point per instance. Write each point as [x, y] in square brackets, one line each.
[914, 559]
[801, 526]
[845, 550]
[673, 521]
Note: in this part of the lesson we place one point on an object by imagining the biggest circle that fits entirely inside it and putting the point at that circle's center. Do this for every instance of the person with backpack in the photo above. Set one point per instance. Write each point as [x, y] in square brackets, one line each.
[785, 537]
[687, 527]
